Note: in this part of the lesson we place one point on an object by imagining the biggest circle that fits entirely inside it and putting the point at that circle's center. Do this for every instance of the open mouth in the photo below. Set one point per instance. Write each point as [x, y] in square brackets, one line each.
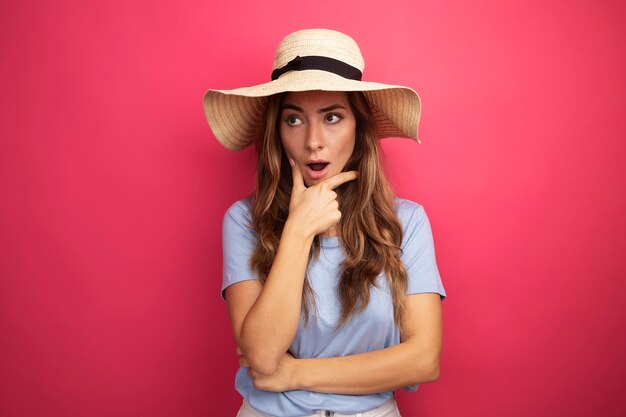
[318, 166]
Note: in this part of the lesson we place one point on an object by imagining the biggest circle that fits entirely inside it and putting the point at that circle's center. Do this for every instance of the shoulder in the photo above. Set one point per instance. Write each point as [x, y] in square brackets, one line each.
[238, 220]
[409, 211]
[414, 221]
[240, 212]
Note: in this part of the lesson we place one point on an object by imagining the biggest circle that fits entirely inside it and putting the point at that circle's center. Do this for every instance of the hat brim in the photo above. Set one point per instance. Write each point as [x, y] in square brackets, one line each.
[235, 115]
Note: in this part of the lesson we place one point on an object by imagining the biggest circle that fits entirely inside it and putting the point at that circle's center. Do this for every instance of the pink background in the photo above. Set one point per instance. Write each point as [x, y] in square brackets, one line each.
[113, 190]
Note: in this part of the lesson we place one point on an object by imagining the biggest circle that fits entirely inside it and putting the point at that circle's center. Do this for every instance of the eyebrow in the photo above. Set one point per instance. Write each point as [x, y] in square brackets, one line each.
[323, 110]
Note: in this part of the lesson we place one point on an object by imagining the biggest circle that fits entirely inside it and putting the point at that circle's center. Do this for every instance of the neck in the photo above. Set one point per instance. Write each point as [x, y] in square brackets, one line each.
[332, 232]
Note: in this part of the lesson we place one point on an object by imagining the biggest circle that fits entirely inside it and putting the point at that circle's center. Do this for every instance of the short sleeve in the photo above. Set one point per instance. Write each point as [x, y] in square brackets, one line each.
[238, 243]
[418, 250]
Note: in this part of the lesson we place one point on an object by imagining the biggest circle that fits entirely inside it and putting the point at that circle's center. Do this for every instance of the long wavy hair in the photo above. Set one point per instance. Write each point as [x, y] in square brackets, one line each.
[369, 230]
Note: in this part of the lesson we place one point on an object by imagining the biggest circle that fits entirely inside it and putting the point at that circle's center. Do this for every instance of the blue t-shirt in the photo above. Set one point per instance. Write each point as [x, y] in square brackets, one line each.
[373, 329]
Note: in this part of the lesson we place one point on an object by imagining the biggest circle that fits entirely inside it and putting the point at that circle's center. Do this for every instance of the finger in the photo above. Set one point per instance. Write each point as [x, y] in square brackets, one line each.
[343, 177]
[298, 181]
[243, 363]
[239, 352]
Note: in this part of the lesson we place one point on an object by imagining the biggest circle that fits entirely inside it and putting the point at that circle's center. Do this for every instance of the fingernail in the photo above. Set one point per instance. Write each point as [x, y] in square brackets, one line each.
[291, 162]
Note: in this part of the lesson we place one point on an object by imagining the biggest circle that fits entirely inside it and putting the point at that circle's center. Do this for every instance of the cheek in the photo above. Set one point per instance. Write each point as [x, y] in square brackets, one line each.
[285, 140]
[351, 146]
[348, 145]
[289, 150]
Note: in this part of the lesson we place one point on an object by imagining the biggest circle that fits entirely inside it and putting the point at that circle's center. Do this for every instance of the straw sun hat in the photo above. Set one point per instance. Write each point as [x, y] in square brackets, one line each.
[312, 59]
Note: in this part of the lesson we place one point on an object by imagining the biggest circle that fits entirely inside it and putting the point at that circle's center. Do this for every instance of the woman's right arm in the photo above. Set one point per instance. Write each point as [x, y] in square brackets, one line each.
[265, 317]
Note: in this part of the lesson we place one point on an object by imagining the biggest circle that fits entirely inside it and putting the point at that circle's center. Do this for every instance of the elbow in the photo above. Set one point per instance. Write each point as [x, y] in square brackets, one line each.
[433, 374]
[262, 362]
[427, 372]
[431, 371]
[430, 365]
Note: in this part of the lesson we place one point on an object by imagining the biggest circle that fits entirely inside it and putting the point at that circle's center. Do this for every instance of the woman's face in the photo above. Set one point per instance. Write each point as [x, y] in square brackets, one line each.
[317, 129]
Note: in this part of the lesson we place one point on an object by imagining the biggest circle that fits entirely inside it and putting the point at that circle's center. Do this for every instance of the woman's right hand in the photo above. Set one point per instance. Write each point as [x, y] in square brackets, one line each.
[315, 209]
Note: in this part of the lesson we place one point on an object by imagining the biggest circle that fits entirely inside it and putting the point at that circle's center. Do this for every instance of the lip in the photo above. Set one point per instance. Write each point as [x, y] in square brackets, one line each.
[317, 175]
[316, 161]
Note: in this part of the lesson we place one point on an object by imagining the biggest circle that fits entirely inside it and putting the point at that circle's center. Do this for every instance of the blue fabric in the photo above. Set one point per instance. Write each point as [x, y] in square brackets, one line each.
[373, 329]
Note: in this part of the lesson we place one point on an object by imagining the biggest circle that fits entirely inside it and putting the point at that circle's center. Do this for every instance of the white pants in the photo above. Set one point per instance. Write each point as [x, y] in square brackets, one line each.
[388, 409]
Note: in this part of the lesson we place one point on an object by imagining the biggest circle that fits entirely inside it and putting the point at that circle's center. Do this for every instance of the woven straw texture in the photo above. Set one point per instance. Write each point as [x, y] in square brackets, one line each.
[236, 115]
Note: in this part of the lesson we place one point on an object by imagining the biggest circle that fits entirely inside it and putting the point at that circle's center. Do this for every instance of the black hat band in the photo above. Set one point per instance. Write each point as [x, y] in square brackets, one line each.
[324, 63]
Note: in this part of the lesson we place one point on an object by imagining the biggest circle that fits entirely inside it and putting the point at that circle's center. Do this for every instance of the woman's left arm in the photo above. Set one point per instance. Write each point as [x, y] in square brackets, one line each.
[414, 360]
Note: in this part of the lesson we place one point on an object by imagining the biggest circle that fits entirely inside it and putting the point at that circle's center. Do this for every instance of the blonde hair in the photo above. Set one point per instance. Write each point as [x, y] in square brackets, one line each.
[369, 230]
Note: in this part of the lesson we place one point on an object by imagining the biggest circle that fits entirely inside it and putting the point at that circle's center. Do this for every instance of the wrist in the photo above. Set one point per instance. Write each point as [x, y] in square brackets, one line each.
[299, 375]
[293, 231]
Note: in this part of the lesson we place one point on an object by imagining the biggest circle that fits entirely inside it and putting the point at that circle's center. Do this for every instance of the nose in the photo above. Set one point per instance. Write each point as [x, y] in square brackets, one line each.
[314, 138]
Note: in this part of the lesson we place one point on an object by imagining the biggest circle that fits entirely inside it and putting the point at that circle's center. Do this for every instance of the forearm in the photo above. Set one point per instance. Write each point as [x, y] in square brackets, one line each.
[377, 371]
[272, 322]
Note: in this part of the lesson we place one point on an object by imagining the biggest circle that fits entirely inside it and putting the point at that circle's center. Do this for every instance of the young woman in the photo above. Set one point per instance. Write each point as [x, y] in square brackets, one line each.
[331, 281]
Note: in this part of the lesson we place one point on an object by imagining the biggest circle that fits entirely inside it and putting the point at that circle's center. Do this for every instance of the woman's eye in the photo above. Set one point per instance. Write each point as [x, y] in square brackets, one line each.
[332, 118]
[293, 121]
